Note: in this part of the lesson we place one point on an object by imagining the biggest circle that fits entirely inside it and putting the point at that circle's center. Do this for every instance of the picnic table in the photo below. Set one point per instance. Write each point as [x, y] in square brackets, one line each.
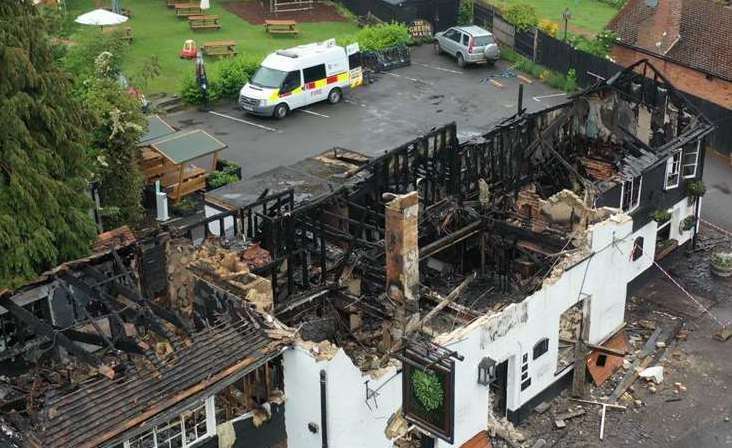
[204, 22]
[125, 33]
[188, 9]
[171, 3]
[220, 48]
[280, 26]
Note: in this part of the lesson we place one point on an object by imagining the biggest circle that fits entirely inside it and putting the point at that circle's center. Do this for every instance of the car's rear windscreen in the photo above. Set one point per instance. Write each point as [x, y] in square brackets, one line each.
[482, 41]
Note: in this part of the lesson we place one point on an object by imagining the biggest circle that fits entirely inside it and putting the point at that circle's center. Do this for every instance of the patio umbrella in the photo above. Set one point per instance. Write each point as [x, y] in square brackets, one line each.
[205, 4]
[116, 7]
[101, 17]
[201, 77]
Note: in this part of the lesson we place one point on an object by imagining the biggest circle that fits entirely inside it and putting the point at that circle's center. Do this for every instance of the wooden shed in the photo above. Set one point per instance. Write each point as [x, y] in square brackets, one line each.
[180, 160]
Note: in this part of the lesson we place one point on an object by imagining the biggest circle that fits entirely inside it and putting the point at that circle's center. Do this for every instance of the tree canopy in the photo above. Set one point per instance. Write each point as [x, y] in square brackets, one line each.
[44, 209]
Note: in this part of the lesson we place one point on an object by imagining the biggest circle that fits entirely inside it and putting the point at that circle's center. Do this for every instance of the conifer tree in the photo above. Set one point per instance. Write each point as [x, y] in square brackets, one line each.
[44, 209]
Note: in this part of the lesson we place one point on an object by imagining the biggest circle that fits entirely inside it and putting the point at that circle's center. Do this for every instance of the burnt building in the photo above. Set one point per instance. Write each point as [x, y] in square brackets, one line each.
[346, 301]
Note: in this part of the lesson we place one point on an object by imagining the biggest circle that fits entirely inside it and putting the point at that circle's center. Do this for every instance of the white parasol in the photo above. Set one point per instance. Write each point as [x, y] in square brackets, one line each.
[205, 4]
[101, 17]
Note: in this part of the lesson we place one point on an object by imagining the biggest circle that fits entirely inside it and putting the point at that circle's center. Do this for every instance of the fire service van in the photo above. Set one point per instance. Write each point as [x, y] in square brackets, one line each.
[302, 75]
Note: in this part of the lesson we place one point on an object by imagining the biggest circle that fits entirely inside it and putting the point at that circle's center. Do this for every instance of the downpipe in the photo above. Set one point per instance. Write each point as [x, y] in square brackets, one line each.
[323, 409]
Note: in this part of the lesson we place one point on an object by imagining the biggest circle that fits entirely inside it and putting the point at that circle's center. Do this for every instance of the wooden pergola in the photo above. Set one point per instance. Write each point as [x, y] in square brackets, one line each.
[181, 160]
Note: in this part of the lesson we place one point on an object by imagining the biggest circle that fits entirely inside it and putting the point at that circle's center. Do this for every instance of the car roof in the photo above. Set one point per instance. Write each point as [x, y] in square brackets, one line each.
[473, 30]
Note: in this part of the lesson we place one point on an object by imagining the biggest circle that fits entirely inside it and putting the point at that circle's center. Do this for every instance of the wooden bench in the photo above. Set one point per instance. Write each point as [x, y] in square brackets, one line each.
[204, 22]
[125, 33]
[220, 48]
[171, 3]
[188, 9]
[280, 26]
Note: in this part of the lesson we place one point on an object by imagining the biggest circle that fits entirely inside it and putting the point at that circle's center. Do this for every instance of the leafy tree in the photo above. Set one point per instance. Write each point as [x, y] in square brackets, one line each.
[44, 209]
[118, 126]
[466, 12]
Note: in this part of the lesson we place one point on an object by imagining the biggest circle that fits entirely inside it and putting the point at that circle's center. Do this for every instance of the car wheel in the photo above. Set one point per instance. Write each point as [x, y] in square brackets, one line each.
[335, 95]
[280, 111]
[438, 48]
[461, 60]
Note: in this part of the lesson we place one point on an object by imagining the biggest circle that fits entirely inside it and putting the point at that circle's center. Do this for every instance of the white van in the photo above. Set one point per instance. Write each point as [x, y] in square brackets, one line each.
[302, 75]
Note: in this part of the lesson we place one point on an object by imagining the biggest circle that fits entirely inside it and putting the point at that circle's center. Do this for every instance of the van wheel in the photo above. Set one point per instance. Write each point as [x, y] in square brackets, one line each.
[280, 111]
[461, 60]
[335, 96]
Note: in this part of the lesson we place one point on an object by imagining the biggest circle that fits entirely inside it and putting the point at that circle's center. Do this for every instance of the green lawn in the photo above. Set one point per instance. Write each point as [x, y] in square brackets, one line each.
[588, 16]
[157, 31]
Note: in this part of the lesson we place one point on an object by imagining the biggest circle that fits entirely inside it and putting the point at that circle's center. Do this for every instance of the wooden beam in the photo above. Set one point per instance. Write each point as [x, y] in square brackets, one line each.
[597, 348]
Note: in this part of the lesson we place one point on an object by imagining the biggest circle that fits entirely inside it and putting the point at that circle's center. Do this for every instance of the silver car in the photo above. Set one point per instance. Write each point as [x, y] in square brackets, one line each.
[469, 44]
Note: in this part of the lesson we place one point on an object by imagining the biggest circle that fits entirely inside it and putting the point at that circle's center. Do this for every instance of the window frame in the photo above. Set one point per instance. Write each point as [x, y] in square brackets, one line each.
[542, 344]
[695, 152]
[673, 169]
[210, 420]
[631, 206]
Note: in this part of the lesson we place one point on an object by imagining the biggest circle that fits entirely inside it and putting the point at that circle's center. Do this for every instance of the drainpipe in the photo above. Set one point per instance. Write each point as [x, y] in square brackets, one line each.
[323, 410]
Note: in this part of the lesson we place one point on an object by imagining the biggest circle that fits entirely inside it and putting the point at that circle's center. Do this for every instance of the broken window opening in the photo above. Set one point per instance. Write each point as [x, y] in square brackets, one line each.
[541, 347]
[601, 360]
[690, 161]
[631, 193]
[673, 170]
[637, 248]
[183, 431]
[570, 327]
[244, 397]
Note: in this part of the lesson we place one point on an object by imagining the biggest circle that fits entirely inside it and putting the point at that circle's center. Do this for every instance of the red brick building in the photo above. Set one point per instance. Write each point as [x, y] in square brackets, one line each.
[689, 41]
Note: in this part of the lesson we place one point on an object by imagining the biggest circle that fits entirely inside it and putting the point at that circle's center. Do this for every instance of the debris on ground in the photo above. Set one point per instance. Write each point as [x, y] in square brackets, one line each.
[654, 373]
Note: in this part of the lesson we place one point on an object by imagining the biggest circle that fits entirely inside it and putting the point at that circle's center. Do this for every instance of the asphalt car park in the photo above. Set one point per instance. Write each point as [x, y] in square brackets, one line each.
[395, 108]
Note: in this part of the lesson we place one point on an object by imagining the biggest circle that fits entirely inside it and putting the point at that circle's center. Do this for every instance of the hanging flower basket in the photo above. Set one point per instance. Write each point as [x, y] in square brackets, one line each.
[721, 263]
[688, 223]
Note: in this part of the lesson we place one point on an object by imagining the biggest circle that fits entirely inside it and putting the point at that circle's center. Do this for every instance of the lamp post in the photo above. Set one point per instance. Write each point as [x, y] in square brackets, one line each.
[566, 15]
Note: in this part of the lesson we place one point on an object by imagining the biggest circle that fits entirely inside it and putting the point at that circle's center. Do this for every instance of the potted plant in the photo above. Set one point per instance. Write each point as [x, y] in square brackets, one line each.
[688, 223]
[661, 216]
[695, 189]
[721, 263]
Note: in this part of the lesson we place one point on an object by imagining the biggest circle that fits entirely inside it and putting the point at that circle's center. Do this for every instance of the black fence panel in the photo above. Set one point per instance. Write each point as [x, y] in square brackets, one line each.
[442, 14]
[483, 16]
[561, 57]
[524, 43]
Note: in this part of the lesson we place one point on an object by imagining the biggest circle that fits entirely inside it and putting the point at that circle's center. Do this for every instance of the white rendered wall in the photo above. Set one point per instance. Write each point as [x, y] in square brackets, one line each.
[351, 422]
[507, 335]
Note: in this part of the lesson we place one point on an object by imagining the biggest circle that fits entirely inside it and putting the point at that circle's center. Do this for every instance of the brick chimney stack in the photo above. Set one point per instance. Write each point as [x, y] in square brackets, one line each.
[402, 258]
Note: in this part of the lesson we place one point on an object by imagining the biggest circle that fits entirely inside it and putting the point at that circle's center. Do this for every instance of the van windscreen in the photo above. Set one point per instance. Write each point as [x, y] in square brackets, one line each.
[268, 77]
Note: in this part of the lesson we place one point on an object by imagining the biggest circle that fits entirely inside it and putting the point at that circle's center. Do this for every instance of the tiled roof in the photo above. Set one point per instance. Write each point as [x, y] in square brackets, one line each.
[104, 409]
[114, 239]
[698, 33]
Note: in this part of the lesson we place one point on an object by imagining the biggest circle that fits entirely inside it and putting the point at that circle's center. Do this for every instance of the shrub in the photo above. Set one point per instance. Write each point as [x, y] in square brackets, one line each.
[696, 188]
[232, 74]
[618, 4]
[385, 35]
[220, 178]
[191, 92]
[428, 389]
[722, 260]
[661, 216]
[522, 16]
[465, 13]
[549, 27]
[600, 45]
[80, 58]
[570, 84]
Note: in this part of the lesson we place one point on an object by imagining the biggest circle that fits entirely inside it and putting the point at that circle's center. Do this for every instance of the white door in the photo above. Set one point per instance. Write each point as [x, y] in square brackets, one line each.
[291, 93]
[314, 83]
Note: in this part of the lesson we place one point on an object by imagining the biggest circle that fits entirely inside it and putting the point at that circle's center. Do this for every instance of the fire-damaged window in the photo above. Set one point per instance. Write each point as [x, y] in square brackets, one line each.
[673, 170]
[690, 160]
[183, 431]
[630, 196]
[263, 385]
[428, 390]
[541, 347]
[637, 248]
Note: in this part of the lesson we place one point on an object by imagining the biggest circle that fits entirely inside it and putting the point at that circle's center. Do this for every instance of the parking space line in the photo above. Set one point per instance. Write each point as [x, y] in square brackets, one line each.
[313, 113]
[443, 69]
[407, 77]
[256, 125]
[538, 98]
